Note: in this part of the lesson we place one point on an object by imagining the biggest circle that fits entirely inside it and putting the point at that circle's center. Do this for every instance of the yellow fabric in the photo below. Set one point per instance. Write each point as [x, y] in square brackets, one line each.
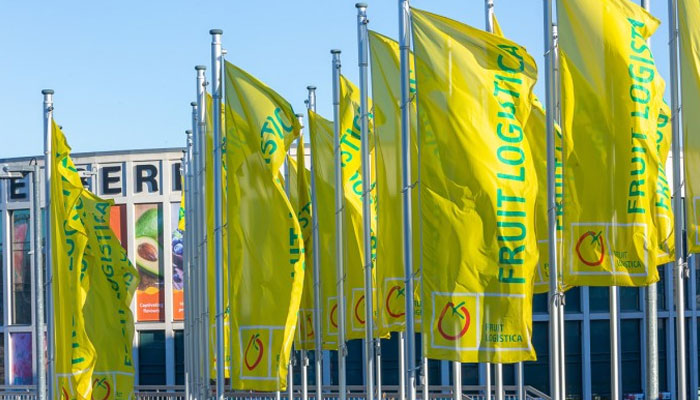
[181, 210]
[267, 250]
[689, 31]
[321, 139]
[211, 243]
[108, 319]
[94, 284]
[386, 92]
[611, 96]
[478, 192]
[662, 195]
[75, 355]
[350, 156]
[536, 133]
[300, 197]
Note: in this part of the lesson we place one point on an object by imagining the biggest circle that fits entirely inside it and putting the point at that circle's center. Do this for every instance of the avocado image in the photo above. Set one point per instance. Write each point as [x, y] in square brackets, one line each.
[148, 248]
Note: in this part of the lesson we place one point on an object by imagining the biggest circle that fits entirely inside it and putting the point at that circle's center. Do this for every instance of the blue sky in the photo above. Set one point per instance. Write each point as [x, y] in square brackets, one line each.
[123, 70]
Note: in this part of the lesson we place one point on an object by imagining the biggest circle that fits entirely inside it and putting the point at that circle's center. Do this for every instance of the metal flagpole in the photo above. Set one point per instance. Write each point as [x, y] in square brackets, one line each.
[554, 294]
[201, 241]
[487, 385]
[318, 359]
[302, 353]
[519, 378]
[407, 183]
[363, 58]
[680, 271]
[456, 380]
[197, 362]
[38, 284]
[187, 236]
[191, 235]
[339, 218]
[402, 366]
[426, 383]
[48, 121]
[218, 180]
[498, 368]
[652, 338]
[562, 296]
[614, 345]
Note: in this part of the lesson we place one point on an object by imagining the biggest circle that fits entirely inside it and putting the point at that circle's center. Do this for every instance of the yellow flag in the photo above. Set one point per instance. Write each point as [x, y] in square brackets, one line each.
[181, 210]
[300, 197]
[75, 354]
[536, 133]
[611, 97]
[321, 139]
[478, 192]
[689, 31]
[266, 247]
[386, 92]
[350, 146]
[108, 318]
[662, 195]
[211, 243]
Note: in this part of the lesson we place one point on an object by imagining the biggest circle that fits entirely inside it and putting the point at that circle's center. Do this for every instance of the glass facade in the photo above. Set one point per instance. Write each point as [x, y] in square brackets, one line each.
[146, 191]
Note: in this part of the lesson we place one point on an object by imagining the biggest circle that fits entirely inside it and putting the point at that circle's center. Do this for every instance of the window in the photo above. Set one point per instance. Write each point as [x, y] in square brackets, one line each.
[599, 299]
[661, 288]
[179, 357]
[354, 362]
[470, 373]
[574, 371]
[663, 386]
[573, 300]
[2, 358]
[600, 357]
[631, 357]
[537, 372]
[152, 358]
[21, 370]
[2, 284]
[390, 360]
[539, 304]
[21, 284]
[629, 299]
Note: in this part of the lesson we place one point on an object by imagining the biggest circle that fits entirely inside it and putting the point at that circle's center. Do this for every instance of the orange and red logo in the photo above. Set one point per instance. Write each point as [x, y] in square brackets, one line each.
[591, 252]
[358, 309]
[396, 292]
[333, 316]
[102, 388]
[459, 317]
[253, 351]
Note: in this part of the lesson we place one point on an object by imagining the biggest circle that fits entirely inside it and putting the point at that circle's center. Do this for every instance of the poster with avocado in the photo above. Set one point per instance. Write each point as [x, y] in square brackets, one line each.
[148, 234]
[177, 263]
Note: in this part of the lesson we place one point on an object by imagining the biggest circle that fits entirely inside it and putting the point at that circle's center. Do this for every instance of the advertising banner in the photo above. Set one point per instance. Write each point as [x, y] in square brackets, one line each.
[148, 232]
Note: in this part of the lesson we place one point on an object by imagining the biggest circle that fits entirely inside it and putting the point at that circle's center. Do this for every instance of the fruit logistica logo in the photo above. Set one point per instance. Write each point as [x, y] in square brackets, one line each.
[458, 317]
[253, 344]
[333, 316]
[591, 252]
[100, 389]
[358, 309]
[400, 292]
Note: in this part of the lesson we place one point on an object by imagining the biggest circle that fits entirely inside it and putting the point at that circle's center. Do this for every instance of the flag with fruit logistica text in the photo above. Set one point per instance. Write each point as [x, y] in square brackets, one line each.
[386, 93]
[265, 242]
[611, 99]
[689, 37]
[477, 192]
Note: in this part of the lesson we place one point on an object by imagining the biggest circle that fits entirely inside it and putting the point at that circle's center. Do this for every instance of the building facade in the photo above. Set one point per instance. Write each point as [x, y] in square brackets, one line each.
[146, 188]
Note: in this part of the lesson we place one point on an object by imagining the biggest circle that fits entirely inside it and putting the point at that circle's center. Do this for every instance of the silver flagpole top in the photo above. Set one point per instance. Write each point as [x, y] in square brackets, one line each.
[200, 67]
[193, 104]
[188, 132]
[216, 32]
[335, 51]
[361, 5]
[47, 91]
[311, 87]
[299, 115]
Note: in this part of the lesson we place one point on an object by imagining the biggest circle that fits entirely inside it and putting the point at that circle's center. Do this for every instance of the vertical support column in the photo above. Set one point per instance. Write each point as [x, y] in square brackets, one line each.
[614, 345]
[339, 219]
[554, 293]
[318, 360]
[680, 271]
[363, 63]
[457, 380]
[38, 285]
[402, 365]
[189, 249]
[407, 184]
[48, 121]
[200, 292]
[218, 207]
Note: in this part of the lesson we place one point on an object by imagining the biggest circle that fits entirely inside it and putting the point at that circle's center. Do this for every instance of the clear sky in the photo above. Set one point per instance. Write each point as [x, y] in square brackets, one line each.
[123, 70]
